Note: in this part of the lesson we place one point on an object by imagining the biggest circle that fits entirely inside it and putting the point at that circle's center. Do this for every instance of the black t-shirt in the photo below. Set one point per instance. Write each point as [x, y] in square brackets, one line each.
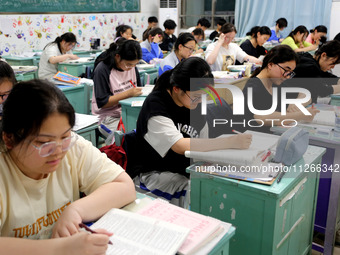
[319, 82]
[248, 48]
[160, 103]
[168, 42]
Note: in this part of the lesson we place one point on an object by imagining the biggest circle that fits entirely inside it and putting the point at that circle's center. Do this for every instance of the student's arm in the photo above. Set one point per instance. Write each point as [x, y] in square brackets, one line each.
[252, 59]
[114, 100]
[212, 56]
[79, 244]
[57, 59]
[294, 108]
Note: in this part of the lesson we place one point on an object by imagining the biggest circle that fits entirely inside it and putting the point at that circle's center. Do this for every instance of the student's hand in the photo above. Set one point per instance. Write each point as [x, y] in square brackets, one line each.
[85, 243]
[135, 92]
[199, 51]
[221, 39]
[242, 141]
[292, 108]
[157, 38]
[68, 223]
[73, 57]
[313, 112]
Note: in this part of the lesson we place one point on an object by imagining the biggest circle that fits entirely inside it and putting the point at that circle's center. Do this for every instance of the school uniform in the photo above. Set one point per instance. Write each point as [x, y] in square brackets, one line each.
[225, 56]
[168, 42]
[276, 36]
[150, 51]
[290, 42]
[248, 48]
[168, 63]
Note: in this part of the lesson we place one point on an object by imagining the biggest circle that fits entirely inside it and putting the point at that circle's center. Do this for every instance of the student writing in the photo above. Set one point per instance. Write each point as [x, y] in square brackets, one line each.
[7, 81]
[297, 40]
[280, 25]
[254, 46]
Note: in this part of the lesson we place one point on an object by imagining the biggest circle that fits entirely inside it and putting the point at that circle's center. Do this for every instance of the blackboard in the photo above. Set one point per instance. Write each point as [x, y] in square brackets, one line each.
[68, 6]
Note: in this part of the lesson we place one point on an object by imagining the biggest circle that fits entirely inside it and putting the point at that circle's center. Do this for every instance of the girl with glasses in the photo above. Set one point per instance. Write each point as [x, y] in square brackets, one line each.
[170, 123]
[44, 167]
[297, 40]
[55, 52]
[7, 81]
[278, 66]
[184, 47]
[115, 78]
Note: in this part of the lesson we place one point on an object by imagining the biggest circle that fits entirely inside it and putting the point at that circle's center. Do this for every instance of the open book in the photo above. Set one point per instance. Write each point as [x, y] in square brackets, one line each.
[261, 143]
[202, 228]
[79, 60]
[147, 89]
[324, 117]
[140, 234]
[84, 120]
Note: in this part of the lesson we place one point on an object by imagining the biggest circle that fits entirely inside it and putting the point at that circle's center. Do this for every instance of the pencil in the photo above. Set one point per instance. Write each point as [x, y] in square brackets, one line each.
[237, 132]
[82, 225]
[132, 84]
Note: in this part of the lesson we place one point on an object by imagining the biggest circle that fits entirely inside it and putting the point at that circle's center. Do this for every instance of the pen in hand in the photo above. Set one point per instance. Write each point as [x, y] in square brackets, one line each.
[236, 132]
[132, 84]
[82, 225]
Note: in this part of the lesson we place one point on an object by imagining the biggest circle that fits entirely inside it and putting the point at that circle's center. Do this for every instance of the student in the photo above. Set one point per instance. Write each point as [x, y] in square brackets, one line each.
[150, 47]
[184, 47]
[199, 36]
[316, 34]
[297, 40]
[201, 23]
[216, 32]
[278, 65]
[124, 31]
[55, 52]
[152, 22]
[253, 47]
[115, 78]
[318, 66]
[223, 52]
[169, 38]
[165, 131]
[44, 167]
[281, 24]
[7, 81]
[253, 31]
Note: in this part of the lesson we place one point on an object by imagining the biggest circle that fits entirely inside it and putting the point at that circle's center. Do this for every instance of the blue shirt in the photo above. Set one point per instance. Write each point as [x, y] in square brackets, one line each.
[274, 37]
[168, 63]
[150, 51]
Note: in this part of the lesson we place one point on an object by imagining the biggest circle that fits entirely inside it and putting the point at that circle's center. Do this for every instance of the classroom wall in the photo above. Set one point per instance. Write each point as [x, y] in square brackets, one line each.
[27, 32]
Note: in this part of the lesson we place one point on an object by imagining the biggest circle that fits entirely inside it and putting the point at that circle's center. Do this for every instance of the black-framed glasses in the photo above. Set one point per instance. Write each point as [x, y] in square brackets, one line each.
[46, 149]
[4, 96]
[287, 73]
[190, 49]
[196, 99]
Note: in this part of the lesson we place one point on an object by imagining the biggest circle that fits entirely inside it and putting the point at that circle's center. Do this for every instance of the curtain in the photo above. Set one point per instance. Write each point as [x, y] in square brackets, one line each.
[310, 13]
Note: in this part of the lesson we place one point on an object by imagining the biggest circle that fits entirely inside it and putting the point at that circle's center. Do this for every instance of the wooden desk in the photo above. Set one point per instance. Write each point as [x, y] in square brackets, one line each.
[270, 220]
[327, 212]
[75, 69]
[130, 113]
[77, 97]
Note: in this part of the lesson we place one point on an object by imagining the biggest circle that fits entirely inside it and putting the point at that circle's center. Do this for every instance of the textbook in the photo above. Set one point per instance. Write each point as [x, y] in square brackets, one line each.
[138, 234]
[65, 77]
[203, 229]
[261, 144]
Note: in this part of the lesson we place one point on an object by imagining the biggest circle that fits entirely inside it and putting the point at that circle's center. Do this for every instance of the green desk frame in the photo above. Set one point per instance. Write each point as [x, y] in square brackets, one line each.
[89, 133]
[75, 69]
[335, 100]
[77, 96]
[130, 113]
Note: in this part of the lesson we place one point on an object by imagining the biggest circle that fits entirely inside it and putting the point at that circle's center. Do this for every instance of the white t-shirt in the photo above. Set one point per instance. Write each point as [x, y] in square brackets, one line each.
[29, 208]
[225, 56]
[46, 69]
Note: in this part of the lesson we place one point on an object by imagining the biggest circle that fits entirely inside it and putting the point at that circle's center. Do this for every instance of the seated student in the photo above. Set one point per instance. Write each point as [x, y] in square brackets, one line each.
[55, 52]
[124, 31]
[115, 78]
[169, 38]
[165, 131]
[152, 22]
[337, 37]
[253, 31]
[318, 66]
[44, 167]
[253, 47]
[199, 36]
[223, 52]
[150, 47]
[281, 24]
[297, 40]
[201, 23]
[316, 34]
[184, 47]
[278, 65]
[216, 32]
[7, 81]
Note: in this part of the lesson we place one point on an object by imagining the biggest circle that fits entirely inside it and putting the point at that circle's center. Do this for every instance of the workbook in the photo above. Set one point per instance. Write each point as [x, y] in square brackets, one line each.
[261, 144]
[138, 234]
[202, 228]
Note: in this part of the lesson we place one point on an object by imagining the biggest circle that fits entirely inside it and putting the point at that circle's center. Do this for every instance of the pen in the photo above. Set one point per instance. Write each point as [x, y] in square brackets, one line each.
[280, 176]
[82, 225]
[132, 83]
[266, 155]
[313, 107]
[237, 132]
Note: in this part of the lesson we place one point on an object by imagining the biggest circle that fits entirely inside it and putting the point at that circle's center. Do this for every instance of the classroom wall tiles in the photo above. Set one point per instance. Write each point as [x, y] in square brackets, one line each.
[28, 32]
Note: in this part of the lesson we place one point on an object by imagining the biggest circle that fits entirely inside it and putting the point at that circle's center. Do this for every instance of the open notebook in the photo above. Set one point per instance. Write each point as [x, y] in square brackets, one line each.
[260, 144]
[79, 60]
[147, 89]
[324, 117]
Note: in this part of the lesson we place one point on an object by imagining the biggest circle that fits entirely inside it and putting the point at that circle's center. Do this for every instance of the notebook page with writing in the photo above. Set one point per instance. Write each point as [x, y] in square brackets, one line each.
[137, 234]
[147, 89]
[84, 120]
[260, 143]
[201, 227]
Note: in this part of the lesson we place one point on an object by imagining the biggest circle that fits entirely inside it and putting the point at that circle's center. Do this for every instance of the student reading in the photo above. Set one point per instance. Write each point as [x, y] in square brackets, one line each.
[254, 46]
[297, 40]
[7, 81]
[115, 78]
[44, 167]
[55, 52]
[278, 65]
[165, 131]
[281, 24]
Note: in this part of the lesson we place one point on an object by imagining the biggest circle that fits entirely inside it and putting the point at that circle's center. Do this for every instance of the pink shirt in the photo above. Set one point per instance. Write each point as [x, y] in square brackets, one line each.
[309, 39]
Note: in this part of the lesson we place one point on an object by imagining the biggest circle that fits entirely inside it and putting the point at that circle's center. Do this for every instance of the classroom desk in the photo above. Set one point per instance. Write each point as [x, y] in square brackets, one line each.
[22, 61]
[327, 212]
[335, 100]
[25, 74]
[130, 113]
[152, 73]
[77, 96]
[75, 69]
[269, 220]
[89, 133]
[86, 53]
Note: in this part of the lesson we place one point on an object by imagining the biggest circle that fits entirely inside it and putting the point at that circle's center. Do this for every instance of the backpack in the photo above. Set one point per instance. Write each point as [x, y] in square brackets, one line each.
[116, 153]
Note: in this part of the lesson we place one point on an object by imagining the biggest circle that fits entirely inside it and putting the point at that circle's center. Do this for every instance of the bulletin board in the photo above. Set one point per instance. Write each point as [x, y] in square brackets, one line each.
[69, 6]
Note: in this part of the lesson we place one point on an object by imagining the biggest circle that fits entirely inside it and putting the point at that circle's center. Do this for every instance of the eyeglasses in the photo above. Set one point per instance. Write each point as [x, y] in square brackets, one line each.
[196, 99]
[129, 65]
[287, 73]
[46, 149]
[190, 49]
[4, 96]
